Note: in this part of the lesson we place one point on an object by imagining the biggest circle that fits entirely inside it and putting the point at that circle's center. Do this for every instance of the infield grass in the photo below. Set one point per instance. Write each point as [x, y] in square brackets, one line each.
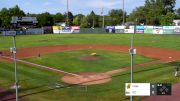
[73, 61]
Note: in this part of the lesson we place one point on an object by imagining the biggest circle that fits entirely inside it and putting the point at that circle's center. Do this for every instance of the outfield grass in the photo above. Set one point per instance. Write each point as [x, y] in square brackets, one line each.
[162, 41]
[71, 60]
[36, 85]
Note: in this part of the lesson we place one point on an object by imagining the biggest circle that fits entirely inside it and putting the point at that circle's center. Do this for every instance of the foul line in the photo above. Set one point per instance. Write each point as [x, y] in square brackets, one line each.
[41, 66]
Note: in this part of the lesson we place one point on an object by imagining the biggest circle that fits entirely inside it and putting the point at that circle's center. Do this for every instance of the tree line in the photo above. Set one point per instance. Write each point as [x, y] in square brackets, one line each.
[154, 12]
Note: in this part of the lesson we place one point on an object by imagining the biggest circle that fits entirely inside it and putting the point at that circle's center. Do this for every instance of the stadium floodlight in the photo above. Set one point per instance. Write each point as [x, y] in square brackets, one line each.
[102, 13]
[67, 21]
[123, 13]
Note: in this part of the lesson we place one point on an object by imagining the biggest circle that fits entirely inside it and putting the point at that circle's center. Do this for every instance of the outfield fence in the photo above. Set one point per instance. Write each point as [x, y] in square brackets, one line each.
[109, 30]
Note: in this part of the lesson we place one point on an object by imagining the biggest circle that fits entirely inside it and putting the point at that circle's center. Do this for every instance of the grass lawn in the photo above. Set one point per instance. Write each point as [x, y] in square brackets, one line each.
[71, 61]
[37, 85]
[162, 41]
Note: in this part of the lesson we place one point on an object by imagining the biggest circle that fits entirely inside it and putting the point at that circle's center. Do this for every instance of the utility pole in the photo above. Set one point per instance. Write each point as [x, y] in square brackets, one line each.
[123, 13]
[67, 19]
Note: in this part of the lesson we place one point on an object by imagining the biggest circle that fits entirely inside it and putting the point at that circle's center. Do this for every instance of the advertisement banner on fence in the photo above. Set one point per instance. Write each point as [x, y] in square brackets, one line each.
[158, 30]
[158, 27]
[168, 31]
[75, 29]
[148, 29]
[110, 29]
[177, 30]
[66, 29]
[139, 27]
[128, 30]
[56, 29]
[168, 27]
[119, 27]
[140, 31]
[119, 31]
[9, 33]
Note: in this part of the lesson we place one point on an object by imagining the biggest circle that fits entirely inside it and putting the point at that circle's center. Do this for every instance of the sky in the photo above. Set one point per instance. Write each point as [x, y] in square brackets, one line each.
[75, 6]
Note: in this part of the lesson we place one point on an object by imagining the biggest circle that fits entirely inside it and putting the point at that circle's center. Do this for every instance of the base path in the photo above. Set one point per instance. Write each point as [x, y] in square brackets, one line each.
[174, 97]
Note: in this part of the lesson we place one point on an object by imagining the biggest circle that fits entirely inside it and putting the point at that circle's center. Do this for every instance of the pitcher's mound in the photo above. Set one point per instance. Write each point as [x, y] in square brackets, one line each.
[87, 78]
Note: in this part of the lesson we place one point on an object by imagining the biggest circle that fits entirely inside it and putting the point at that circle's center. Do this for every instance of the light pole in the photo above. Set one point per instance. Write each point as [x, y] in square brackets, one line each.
[123, 13]
[102, 17]
[132, 53]
[15, 65]
[67, 13]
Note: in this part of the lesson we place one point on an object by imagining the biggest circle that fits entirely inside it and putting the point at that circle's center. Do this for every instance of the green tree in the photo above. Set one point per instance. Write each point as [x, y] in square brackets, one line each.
[178, 11]
[85, 23]
[177, 14]
[167, 19]
[116, 16]
[158, 8]
[6, 14]
[138, 14]
[58, 17]
[45, 19]
[78, 19]
[0, 22]
[153, 12]
[161, 6]
[69, 21]
[16, 11]
[93, 19]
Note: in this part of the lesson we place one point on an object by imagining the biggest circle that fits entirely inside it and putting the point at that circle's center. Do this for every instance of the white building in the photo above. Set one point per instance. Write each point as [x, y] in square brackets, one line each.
[176, 22]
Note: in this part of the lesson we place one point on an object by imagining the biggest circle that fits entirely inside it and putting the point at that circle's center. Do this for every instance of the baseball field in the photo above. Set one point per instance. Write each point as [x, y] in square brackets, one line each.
[85, 67]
